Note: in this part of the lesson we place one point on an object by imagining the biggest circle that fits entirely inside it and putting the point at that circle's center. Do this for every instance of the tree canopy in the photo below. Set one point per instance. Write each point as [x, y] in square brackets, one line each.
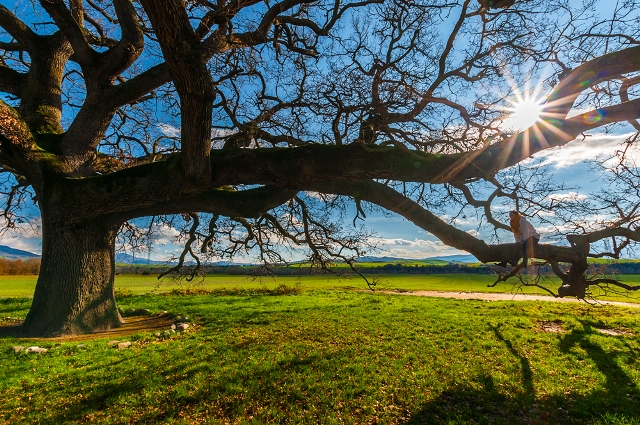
[253, 124]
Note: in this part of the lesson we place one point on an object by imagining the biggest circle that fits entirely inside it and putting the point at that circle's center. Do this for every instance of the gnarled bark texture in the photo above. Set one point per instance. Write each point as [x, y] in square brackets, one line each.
[75, 291]
[253, 69]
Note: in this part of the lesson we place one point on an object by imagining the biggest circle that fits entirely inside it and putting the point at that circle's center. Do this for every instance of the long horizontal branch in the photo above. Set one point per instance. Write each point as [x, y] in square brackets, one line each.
[603, 68]
[245, 203]
[250, 203]
[304, 166]
[391, 200]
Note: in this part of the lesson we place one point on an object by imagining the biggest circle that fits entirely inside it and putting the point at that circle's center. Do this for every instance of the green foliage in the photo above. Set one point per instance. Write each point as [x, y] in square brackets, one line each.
[337, 357]
[29, 266]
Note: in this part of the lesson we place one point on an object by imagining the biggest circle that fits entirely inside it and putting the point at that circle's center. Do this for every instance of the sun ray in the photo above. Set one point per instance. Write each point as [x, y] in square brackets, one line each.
[564, 136]
[524, 113]
[526, 105]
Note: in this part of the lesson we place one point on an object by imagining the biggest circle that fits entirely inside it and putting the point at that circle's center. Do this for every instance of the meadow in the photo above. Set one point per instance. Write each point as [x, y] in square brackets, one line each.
[321, 352]
[23, 286]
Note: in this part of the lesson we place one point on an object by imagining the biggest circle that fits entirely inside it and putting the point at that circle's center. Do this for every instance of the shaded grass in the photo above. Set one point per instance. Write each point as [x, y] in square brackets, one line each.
[338, 357]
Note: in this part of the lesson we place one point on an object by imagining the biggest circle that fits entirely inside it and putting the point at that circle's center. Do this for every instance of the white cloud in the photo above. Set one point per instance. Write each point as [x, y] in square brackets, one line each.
[165, 235]
[571, 196]
[169, 130]
[25, 236]
[416, 248]
[589, 148]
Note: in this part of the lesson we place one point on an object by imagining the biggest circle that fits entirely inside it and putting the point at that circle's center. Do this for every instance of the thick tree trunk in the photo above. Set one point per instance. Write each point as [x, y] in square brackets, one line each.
[75, 291]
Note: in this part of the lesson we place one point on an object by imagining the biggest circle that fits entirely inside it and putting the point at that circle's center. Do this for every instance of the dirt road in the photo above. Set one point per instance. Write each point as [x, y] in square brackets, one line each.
[507, 297]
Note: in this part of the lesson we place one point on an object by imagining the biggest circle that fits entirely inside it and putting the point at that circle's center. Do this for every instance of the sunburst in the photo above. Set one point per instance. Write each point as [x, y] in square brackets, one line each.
[525, 108]
[523, 113]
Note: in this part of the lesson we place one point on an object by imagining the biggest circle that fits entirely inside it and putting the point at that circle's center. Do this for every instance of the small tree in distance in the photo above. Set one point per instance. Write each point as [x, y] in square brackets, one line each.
[257, 122]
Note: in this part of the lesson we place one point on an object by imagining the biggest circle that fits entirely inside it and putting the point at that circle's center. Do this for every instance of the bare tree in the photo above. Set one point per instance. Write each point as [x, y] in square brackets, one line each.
[257, 121]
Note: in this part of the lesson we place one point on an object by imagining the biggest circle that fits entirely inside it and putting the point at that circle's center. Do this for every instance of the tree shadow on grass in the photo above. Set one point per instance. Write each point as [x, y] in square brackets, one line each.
[618, 402]
[226, 394]
[189, 384]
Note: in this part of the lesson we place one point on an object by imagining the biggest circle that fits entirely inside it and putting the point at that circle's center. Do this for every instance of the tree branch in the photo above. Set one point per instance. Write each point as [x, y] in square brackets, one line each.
[597, 70]
[11, 81]
[181, 49]
[73, 31]
[18, 29]
[129, 48]
[16, 141]
[388, 198]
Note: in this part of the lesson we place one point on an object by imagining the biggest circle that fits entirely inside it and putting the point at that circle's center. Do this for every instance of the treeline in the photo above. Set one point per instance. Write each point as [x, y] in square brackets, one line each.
[32, 267]
[19, 267]
[620, 268]
[399, 268]
[305, 270]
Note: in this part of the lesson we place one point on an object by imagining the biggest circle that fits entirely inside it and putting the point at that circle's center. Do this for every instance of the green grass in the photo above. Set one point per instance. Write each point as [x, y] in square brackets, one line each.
[23, 286]
[335, 357]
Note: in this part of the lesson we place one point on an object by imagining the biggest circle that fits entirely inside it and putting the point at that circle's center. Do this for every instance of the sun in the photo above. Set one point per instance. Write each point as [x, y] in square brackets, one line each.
[523, 113]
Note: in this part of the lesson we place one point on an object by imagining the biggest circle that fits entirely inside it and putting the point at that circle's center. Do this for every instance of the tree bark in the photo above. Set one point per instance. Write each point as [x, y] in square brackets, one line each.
[75, 289]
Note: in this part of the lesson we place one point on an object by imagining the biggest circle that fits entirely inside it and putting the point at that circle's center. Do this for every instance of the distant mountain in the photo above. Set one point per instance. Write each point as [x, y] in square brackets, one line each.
[15, 254]
[369, 259]
[463, 258]
[125, 258]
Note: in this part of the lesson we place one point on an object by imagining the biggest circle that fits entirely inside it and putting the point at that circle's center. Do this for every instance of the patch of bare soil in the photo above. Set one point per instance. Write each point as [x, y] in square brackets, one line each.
[616, 332]
[551, 326]
[131, 325]
[495, 296]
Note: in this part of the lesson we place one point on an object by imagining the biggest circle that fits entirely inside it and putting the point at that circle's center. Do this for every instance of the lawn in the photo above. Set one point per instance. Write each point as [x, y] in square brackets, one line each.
[337, 357]
[23, 286]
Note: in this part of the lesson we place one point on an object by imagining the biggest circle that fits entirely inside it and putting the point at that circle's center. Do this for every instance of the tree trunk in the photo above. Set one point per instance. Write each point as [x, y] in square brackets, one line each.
[75, 290]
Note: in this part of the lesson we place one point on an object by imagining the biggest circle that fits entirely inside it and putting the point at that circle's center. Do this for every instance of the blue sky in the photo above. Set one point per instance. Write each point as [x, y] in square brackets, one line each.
[396, 236]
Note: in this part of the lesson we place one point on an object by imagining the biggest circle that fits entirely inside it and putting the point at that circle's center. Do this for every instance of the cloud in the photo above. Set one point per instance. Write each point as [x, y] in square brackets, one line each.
[579, 150]
[165, 235]
[416, 248]
[169, 130]
[571, 196]
[25, 236]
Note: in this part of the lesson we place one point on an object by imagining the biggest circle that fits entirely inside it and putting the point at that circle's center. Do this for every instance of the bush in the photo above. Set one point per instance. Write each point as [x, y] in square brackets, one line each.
[19, 267]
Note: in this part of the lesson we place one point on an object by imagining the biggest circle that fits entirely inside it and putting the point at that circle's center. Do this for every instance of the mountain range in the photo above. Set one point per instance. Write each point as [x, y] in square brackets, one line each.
[124, 258]
[15, 254]
[460, 258]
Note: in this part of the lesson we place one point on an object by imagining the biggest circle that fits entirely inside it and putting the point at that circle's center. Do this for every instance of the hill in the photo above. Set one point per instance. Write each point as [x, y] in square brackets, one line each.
[125, 258]
[460, 258]
[16, 254]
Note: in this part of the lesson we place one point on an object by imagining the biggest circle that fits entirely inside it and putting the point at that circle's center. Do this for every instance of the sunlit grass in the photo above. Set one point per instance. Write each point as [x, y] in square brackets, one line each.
[23, 286]
[338, 357]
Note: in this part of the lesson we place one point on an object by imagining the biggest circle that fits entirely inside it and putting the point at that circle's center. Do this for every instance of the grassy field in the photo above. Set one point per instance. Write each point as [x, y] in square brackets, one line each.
[336, 357]
[23, 286]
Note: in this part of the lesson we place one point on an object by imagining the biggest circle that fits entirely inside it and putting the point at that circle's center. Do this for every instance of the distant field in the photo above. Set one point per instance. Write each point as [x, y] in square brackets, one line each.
[23, 286]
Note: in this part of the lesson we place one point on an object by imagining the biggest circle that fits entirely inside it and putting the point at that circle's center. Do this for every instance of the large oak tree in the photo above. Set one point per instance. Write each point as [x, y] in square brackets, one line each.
[257, 121]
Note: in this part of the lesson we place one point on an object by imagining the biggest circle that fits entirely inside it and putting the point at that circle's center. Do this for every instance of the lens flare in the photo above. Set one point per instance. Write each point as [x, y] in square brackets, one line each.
[523, 114]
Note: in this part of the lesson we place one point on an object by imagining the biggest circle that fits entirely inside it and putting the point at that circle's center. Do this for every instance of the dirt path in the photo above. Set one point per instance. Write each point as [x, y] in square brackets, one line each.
[505, 297]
